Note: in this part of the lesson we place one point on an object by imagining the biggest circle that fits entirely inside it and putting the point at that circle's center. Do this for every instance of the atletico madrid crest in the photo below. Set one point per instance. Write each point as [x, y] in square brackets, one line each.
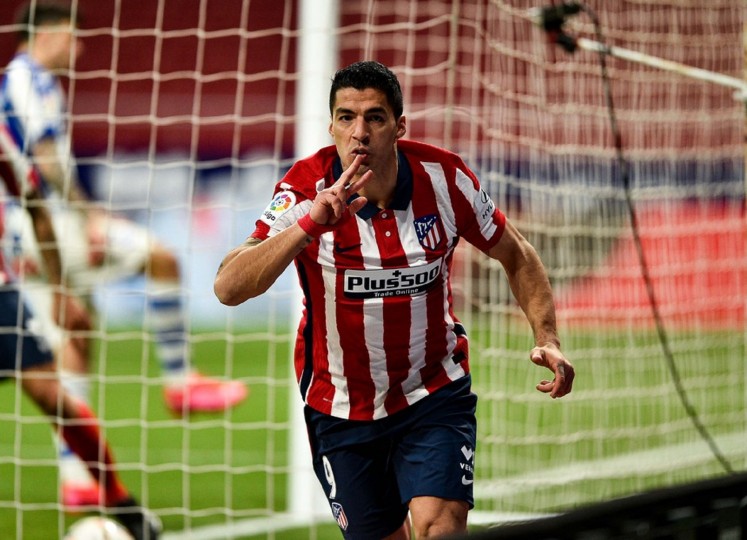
[339, 513]
[429, 232]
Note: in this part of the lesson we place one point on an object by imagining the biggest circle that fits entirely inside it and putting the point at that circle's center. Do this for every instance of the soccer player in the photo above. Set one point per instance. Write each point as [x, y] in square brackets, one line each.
[26, 354]
[381, 359]
[97, 247]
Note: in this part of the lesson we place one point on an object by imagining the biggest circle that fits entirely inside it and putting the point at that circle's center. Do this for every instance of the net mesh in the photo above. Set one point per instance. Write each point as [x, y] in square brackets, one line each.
[182, 118]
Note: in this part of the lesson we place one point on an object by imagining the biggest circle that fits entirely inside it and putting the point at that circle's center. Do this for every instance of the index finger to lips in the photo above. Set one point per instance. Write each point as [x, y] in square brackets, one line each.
[347, 175]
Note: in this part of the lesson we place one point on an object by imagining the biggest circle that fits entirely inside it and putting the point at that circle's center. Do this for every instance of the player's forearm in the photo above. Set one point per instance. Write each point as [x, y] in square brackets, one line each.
[60, 175]
[531, 287]
[250, 269]
[45, 236]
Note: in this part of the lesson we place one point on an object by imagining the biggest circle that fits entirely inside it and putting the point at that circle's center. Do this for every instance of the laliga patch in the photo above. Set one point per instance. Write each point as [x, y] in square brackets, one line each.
[283, 201]
[428, 230]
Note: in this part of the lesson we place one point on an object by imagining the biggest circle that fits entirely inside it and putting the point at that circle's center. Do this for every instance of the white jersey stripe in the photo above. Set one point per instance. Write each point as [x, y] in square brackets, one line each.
[340, 401]
[480, 201]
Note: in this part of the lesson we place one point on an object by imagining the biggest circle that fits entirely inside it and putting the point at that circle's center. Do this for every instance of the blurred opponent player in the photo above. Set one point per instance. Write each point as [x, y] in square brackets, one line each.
[96, 247]
[26, 355]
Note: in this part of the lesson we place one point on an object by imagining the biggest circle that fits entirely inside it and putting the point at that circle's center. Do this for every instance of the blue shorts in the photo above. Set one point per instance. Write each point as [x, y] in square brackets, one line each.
[371, 470]
[20, 346]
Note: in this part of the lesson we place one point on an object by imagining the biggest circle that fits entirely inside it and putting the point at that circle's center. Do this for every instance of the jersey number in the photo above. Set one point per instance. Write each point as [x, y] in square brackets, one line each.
[330, 476]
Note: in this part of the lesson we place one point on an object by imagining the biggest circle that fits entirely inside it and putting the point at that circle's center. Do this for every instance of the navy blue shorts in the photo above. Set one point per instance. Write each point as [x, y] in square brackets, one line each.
[20, 346]
[371, 470]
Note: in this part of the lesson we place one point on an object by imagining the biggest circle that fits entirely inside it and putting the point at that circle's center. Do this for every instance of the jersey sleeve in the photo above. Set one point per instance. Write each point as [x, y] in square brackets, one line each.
[294, 194]
[33, 98]
[481, 222]
[285, 208]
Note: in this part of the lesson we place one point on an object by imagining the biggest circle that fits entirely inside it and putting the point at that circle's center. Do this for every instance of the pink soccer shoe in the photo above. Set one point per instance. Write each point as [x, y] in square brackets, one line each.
[76, 497]
[203, 394]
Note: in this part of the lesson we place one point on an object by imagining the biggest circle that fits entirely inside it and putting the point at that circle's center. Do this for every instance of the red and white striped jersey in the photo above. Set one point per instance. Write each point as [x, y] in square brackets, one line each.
[378, 331]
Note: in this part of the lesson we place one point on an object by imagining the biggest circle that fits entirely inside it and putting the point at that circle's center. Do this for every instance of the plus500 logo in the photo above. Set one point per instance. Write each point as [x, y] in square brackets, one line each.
[391, 282]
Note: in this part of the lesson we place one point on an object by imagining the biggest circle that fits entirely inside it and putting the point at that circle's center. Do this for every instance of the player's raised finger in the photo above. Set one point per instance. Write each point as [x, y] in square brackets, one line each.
[347, 176]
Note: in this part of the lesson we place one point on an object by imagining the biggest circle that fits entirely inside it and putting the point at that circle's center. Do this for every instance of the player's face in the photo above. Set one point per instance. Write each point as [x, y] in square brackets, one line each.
[60, 45]
[363, 123]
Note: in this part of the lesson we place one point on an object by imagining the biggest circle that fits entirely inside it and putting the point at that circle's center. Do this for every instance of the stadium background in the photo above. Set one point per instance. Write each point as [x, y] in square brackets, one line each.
[183, 122]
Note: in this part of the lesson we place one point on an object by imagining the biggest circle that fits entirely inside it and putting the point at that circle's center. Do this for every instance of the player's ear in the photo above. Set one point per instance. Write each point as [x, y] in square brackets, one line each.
[401, 126]
[329, 130]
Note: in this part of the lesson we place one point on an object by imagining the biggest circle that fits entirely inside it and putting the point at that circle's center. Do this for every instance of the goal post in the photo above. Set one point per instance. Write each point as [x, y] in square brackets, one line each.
[317, 60]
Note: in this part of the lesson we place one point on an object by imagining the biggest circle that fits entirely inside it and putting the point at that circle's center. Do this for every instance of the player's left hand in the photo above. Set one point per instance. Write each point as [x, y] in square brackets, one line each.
[550, 357]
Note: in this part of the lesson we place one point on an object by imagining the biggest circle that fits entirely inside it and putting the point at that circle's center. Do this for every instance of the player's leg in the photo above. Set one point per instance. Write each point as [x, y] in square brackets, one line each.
[132, 250]
[31, 359]
[77, 425]
[434, 460]
[77, 486]
[433, 516]
[355, 470]
[79, 428]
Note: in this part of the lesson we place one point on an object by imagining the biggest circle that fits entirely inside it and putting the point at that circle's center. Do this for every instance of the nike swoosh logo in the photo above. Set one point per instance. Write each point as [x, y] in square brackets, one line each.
[465, 481]
[343, 249]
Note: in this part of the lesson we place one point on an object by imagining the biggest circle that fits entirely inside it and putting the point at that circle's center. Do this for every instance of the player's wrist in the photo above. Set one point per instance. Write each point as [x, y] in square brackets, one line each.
[312, 228]
[555, 342]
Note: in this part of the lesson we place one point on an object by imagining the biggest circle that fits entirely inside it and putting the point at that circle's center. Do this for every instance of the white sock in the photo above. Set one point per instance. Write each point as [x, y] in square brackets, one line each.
[165, 318]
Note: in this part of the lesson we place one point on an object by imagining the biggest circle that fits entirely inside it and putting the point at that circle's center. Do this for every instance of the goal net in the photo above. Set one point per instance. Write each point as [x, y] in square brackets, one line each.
[184, 114]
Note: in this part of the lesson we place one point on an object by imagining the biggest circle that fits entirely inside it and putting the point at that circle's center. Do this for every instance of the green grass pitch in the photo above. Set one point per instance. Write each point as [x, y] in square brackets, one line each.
[221, 468]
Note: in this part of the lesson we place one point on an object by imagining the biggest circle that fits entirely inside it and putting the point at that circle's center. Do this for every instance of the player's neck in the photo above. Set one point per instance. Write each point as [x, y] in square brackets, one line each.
[380, 190]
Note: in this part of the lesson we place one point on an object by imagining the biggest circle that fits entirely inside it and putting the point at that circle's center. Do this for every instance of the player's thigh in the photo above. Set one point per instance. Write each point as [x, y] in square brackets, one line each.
[436, 456]
[22, 345]
[359, 481]
[39, 296]
[362, 490]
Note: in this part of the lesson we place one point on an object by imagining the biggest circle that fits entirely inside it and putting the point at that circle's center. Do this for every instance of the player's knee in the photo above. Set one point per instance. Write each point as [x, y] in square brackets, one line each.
[163, 264]
[449, 519]
[45, 392]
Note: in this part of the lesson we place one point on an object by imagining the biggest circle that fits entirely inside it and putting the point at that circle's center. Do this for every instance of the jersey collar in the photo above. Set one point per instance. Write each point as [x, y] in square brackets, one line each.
[402, 192]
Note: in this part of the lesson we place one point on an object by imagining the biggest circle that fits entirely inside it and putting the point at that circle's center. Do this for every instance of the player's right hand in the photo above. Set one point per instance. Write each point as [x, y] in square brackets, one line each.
[331, 204]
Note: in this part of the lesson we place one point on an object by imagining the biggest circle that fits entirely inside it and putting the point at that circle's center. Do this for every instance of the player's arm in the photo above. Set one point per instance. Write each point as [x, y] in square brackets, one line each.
[54, 171]
[68, 312]
[250, 269]
[45, 236]
[530, 285]
[65, 182]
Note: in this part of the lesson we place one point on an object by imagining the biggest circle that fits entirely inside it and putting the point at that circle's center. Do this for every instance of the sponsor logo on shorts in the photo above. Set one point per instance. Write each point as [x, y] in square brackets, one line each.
[282, 202]
[391, 282]
[340, 517]
[468, 465]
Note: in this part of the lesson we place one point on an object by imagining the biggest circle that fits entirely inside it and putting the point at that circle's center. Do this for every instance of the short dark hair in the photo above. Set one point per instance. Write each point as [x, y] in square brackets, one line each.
[368, 74]
[40, 13]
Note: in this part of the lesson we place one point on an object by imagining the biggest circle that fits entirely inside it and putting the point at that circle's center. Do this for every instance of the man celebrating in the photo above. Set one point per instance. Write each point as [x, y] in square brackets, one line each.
[381, 358]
